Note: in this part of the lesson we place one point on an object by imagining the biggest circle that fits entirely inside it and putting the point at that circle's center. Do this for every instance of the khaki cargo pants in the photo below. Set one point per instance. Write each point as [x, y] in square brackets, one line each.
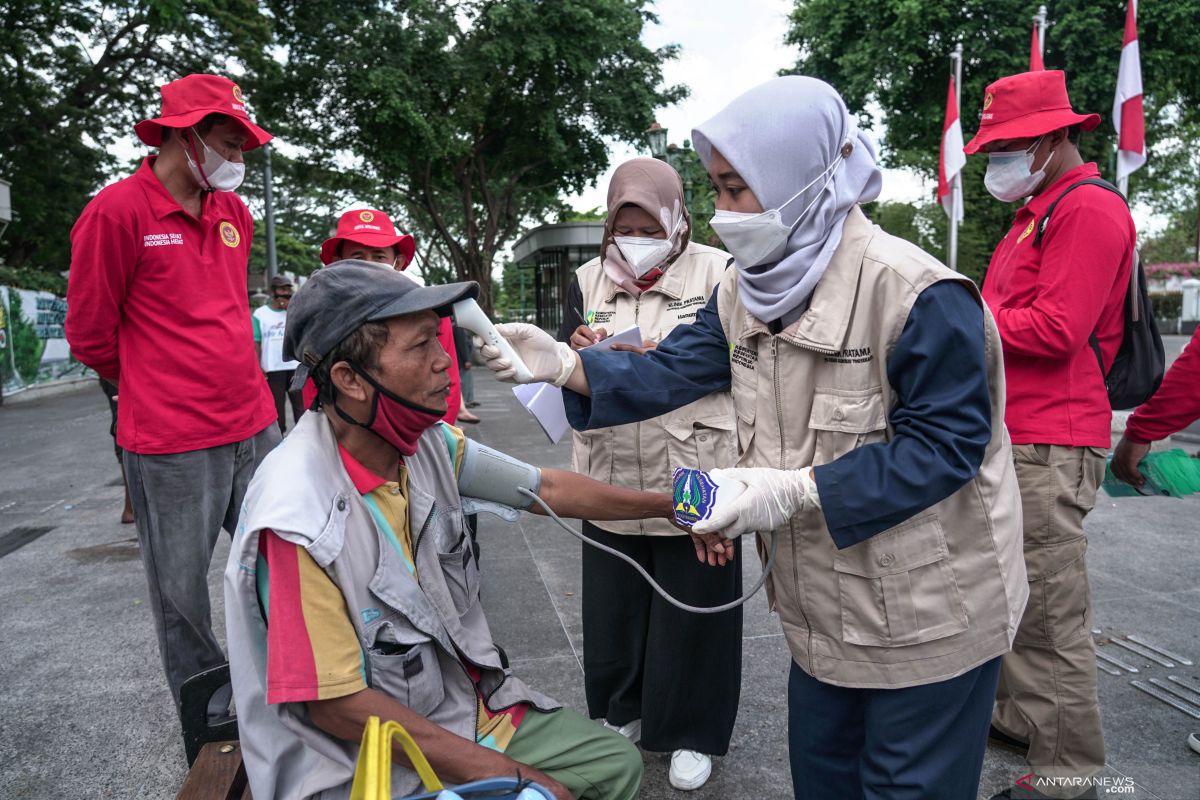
[1047, 693]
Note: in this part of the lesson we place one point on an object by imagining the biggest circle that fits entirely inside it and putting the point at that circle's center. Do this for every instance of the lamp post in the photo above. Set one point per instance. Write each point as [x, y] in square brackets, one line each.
[656, 137]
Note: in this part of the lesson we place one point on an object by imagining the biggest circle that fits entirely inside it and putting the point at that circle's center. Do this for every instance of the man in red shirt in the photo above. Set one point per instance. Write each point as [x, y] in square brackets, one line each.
[1049, 294]
[157, 304]
[1172, 408]
[367, 234]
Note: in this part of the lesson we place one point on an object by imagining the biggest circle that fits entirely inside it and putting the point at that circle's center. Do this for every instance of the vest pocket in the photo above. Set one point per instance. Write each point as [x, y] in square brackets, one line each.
[404, 664]
[702, 443]
[897, 588]
[462, 575]
[843, 419]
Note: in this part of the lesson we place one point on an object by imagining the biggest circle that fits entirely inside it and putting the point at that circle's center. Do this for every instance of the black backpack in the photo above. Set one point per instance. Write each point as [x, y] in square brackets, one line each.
[1138, 368]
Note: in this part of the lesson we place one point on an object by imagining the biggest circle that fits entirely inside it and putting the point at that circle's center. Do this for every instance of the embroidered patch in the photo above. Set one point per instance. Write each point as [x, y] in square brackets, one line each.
[694, 495]
[743, 356]
[366, 216]
[852, 355]
[1028, 230]
[987, 101]
[230, 235]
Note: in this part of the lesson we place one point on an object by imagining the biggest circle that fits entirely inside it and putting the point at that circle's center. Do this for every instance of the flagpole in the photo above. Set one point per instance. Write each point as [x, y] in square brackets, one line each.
[1040, 18]
[956, 197]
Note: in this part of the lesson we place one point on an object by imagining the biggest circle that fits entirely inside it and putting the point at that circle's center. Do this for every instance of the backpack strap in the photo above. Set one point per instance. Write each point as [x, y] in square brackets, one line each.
[1133, 290]
[1103, 184]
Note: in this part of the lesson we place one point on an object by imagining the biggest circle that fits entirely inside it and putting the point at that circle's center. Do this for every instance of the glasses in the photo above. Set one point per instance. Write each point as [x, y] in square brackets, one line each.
[281, 296]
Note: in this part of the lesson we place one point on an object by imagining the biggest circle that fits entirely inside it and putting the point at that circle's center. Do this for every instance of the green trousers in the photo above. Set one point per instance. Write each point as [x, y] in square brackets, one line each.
[590, 760]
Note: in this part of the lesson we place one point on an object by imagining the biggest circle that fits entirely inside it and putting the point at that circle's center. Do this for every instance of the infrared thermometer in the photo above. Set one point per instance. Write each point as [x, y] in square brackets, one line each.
[469, 315]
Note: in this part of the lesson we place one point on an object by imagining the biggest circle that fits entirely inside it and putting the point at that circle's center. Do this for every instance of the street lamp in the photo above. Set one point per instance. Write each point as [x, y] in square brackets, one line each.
[656, 137]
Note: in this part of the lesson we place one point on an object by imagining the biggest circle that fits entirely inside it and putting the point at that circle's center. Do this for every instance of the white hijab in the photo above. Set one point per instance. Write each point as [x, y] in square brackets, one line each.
[779, 136]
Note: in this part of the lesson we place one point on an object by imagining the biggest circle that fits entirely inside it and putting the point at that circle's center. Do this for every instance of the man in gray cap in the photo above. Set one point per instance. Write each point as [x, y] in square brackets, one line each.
[351, 589]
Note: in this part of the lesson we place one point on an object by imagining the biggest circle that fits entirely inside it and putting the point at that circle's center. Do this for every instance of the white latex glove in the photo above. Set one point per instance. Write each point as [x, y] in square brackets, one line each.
[772, 497]
[548, 360]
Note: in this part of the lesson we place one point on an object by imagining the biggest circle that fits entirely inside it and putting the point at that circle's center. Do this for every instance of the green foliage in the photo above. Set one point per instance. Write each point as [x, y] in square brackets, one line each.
[697, 190]
[33, 279]
[27, 347]
[514, 297]
[1167, 305]
[596, 214]
[895, 53]
[926, 226]
[291, 253]
[476, 116]
[1175, 243]
[76, 75]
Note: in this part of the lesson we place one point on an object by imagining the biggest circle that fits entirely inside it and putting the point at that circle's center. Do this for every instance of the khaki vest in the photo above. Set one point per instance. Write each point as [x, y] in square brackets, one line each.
[302, 492]
[933, 597]
[642, 455]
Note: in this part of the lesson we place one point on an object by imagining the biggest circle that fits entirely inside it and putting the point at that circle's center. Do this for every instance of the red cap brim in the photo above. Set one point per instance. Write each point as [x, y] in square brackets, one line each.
[150, 130]
[404, 243]
[1030, 125]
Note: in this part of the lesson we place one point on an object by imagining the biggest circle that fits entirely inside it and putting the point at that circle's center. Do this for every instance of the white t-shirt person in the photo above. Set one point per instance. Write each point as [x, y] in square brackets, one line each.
[268, 333]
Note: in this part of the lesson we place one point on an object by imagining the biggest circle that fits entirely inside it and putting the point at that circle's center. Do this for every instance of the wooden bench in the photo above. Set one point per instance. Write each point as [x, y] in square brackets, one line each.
[217, 774]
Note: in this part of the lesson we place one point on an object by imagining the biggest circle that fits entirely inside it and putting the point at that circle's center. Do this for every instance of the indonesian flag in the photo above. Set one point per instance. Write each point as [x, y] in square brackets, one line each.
[1128, 117]
[1035, 52]
[952, 158]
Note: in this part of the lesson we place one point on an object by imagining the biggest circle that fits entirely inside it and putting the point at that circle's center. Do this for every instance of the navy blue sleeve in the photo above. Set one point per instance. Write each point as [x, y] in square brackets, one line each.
[692, 362]
[941, 422]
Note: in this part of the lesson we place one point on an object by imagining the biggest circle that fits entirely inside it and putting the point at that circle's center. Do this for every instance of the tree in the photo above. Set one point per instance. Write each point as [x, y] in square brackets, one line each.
[894, 53]
[474, 116]
[75, 76]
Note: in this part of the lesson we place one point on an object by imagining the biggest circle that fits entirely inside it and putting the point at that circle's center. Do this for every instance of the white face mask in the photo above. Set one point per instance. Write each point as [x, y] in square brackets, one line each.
[643, 253]
[755, 238]
[1009, 176]
[216, 173]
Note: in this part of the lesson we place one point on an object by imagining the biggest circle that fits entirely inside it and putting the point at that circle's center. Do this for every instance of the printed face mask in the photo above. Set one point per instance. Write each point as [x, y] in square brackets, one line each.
[216, 173]
[1009, 176]
[392, 418]
[761, 238]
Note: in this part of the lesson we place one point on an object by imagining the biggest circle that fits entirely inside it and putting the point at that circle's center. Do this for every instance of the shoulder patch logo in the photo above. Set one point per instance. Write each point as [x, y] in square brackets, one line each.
[694, 494]
[1028, 230]
[229, 234]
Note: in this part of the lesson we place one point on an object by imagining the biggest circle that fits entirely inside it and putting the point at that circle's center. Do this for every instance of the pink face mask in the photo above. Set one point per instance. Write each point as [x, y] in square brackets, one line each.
[392, 418]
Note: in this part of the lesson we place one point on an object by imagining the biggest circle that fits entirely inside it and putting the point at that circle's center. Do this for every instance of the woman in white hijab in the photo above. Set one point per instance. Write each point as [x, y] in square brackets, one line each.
[868, 389]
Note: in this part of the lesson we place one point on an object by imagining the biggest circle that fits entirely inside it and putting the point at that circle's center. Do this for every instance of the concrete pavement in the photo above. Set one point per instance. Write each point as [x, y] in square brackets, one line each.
[84, 710]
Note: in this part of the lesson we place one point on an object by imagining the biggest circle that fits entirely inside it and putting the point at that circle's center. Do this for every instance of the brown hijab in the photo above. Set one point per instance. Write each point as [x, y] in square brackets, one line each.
[655, 187]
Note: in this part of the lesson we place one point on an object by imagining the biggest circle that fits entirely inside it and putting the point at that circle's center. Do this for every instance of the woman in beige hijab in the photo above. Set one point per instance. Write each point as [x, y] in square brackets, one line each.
[652, 671]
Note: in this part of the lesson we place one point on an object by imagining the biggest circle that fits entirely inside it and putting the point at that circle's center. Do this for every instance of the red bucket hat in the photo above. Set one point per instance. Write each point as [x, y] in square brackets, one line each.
[370, 228]
[192, 98]
[1026, 105]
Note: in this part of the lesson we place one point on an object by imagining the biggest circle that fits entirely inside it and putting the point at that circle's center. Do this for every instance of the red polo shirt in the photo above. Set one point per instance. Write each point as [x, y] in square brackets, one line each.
[1048, 300]
[156, 302]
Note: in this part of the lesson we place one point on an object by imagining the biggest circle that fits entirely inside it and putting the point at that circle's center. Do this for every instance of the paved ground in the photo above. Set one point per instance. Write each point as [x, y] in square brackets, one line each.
[84, 711]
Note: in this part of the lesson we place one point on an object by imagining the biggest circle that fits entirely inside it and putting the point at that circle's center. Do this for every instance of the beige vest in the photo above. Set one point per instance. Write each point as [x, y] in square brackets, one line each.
[942, 592]
[642, 455]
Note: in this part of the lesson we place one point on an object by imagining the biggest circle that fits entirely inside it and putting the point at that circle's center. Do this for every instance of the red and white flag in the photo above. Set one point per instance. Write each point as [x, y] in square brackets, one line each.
[1128, 117]
[1035, 51]
[952, 158]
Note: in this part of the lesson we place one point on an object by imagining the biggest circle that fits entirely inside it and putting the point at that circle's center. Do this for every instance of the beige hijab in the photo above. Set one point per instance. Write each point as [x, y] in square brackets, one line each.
[655, 187]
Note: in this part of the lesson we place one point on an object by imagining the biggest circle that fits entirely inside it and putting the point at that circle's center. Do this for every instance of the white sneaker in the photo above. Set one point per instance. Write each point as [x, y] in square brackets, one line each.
[630, 730]
[689, 769]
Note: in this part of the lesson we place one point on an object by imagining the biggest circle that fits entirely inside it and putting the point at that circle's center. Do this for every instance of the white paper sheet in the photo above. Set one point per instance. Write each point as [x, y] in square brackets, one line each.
[631, 336]
[545, 403]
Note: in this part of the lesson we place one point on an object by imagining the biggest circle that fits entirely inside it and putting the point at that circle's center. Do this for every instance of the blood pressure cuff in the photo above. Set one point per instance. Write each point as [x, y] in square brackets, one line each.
[493, 477]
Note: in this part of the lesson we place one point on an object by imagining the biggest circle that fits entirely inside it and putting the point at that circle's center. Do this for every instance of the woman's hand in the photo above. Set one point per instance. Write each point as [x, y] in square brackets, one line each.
[586, 337]
[712, 548]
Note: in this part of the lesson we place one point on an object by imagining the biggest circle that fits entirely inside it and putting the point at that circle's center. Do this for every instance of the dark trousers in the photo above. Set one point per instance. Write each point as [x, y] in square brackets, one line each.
[181, 502]
[921, 743]
[279, 382]
[680, 673]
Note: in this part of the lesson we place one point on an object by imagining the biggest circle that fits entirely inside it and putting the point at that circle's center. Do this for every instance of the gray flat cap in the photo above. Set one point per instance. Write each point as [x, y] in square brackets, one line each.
[338, 299]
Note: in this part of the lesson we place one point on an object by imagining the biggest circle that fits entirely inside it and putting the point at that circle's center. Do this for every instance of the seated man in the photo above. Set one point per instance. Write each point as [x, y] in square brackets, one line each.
[351, 589]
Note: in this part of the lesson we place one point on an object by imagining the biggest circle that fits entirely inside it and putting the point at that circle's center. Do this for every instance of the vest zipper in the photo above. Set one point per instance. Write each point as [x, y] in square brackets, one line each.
[637, 430]
[782, 466]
